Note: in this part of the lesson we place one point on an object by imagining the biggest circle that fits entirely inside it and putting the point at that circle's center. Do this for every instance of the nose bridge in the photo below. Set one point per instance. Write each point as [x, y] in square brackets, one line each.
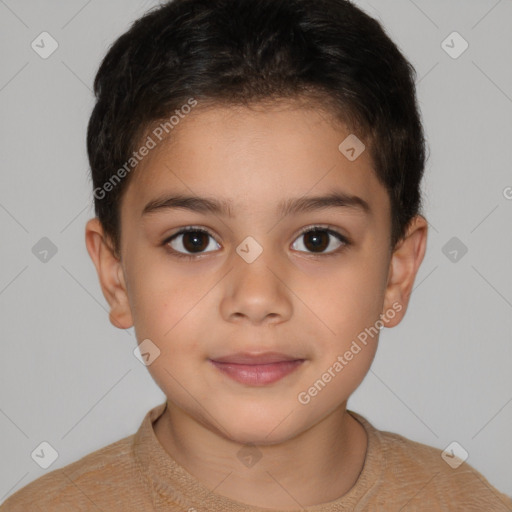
[256, 288]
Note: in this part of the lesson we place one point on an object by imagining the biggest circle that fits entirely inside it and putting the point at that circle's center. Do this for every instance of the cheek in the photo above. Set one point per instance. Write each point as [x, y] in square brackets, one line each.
[161, 300]
[166, 308]
[346, 343]
[348, 300]
[348, 305]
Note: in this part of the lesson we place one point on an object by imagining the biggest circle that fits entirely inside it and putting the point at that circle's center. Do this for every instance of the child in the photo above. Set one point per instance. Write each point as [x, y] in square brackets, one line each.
[285, 136]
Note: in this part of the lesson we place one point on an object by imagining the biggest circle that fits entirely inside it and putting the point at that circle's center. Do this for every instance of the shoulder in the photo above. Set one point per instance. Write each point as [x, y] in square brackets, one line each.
[402, 474]
[438, 480]
[81, 485]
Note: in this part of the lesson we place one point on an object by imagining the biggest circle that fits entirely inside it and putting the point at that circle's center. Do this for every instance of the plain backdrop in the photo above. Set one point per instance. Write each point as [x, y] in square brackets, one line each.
[68, 377]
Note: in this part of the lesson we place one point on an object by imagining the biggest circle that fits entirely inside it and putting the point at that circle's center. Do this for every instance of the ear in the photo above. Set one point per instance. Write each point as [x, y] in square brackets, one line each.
[110, 273]
[405, 262]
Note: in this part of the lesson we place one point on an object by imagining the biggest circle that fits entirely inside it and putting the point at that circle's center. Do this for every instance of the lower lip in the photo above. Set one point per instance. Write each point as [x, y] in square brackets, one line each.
[258, 374]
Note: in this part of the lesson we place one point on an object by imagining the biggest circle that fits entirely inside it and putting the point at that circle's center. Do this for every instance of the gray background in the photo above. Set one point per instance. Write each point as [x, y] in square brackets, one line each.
[70, 378]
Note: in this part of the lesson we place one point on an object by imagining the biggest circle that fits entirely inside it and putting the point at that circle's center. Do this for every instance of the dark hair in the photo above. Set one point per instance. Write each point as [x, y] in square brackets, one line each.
[246, 52]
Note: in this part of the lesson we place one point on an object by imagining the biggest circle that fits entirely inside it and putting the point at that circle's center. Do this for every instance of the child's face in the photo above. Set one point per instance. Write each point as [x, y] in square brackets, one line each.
[290, 299]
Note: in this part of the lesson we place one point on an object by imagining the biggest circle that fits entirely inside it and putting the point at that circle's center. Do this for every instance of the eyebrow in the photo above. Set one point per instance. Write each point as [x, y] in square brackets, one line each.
[285, 208]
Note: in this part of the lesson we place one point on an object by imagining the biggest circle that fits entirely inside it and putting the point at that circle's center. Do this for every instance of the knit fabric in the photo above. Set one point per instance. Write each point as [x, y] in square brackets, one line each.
[137, 474]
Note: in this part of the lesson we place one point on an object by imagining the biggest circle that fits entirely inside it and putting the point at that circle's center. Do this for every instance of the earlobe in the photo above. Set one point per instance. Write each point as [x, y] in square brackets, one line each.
[110, 274]
[405, 262]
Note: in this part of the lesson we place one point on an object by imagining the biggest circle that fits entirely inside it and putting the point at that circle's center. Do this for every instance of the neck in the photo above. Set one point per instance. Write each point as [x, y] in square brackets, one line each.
[327, 460]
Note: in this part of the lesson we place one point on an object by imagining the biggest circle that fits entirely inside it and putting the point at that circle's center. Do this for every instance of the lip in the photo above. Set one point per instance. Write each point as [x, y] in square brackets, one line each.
[255, 358]
[257, 369]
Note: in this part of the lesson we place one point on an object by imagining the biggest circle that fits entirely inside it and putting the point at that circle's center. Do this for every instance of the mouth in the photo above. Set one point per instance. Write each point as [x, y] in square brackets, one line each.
[257, 370]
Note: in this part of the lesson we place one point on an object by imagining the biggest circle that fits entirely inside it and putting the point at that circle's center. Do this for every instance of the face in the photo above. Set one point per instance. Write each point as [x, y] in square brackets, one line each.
[264, 269]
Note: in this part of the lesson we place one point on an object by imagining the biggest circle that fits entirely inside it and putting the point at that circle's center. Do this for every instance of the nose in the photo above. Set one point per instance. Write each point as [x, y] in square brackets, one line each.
[257, 292]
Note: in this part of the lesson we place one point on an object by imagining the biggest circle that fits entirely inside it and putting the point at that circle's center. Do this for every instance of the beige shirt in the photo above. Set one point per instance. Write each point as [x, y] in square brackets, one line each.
[137, 474]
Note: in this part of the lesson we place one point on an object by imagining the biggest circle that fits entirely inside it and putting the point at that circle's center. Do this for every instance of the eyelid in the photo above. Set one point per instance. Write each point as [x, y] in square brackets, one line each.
[325, 227]
[187, 229]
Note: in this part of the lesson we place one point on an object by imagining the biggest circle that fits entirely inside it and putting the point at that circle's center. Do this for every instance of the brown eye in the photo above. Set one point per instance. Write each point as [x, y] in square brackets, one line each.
[317, 240]
[191, 241]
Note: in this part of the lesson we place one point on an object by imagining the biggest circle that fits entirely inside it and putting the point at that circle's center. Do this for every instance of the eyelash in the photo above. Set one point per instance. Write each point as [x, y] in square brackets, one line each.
[328, 229]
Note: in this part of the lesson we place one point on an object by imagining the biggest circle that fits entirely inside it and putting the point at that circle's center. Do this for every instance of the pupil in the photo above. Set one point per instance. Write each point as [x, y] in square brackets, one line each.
[319, 238]
[314, 240]
[194, 237]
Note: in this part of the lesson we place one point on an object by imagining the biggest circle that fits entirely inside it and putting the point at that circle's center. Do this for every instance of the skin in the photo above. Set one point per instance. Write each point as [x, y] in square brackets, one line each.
[290, 299]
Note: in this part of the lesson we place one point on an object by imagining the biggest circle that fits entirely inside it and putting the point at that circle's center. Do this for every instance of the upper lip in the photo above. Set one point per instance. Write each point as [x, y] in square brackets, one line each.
[248, 358]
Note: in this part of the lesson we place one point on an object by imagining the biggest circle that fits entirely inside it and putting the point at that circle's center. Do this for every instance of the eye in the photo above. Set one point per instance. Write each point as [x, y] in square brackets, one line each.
[190, 241]
[318, 239]
[193, 241]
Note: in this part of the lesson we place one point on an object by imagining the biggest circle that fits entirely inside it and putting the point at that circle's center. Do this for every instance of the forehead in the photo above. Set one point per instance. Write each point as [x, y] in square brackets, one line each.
[252, 158]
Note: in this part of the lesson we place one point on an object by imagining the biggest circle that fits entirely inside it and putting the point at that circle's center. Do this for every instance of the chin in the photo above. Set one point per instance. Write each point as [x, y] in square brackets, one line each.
[259, 428]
